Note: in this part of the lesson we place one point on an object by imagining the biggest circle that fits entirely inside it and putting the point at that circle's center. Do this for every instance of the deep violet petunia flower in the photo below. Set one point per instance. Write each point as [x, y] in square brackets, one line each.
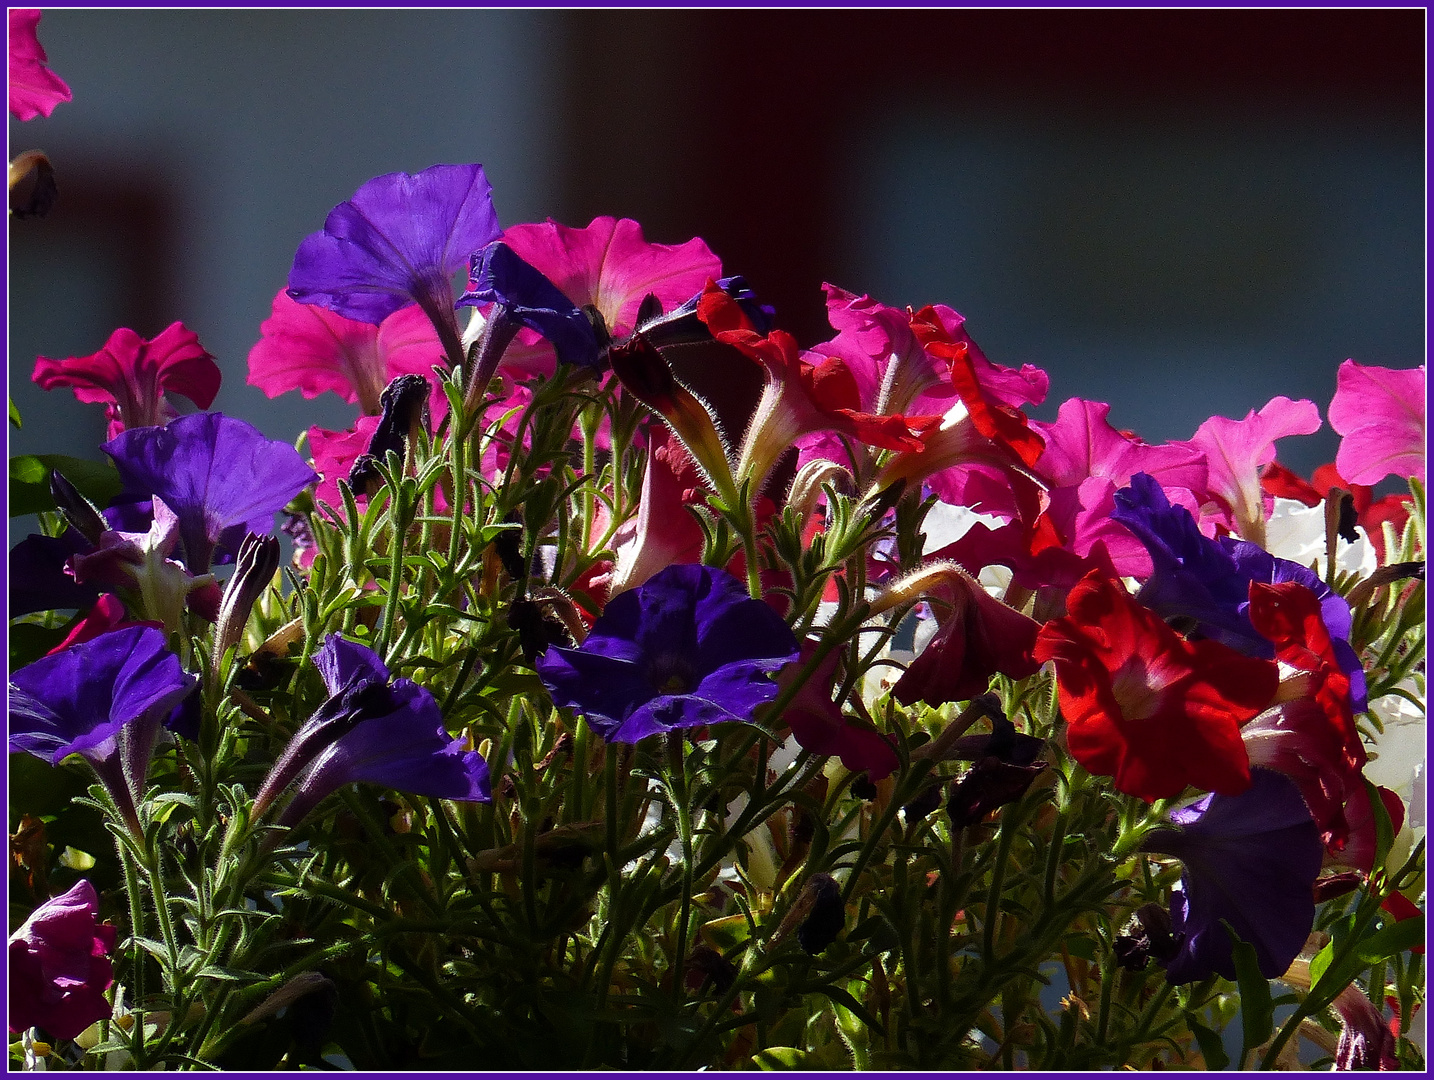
[688, 647]
[311, 349]
[131, 375]
[1380, 413]
[104, 699]
[1145, 706]
[518, 295]
[35, 90]
[372, 729]
[399, 240]
[1250, 859]
[59, 965]
[219, 475]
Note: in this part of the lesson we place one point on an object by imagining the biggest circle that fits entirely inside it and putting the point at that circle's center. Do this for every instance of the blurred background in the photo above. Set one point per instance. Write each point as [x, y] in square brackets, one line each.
[1179, 212]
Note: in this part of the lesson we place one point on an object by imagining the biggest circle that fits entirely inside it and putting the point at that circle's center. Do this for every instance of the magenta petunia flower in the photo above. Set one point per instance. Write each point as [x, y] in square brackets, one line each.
[1235, 450]
[819, 725]
[219, 475]
[1249, 859]
[398, 241]
[372, 729]
[334, 453]
[610, 266]
[311, 349]
[688, 647]
[131, 375]
[35, 90]
[59, 965]
[1380, 413]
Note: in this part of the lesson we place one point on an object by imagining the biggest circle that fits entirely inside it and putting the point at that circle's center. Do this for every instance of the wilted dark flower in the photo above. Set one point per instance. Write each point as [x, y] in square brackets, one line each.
[825, 917]
[1146, 935]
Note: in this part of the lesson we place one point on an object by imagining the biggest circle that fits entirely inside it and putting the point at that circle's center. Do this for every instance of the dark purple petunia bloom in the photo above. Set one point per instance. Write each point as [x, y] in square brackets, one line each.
[59, 965]
[400, 239]
[374, 731]
[38, 581]
[688, 647]
[1250, 859]
[1208, 581]
[220, 476]
[104, 699]
[525, 297]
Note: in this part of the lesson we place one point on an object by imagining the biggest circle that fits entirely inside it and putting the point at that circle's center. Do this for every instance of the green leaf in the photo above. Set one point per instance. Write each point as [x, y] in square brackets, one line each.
[1257, 1010]
[14, 413]
[1212, 1047]
[851, 1005]
[783, 1059]
[1081, 945]
[1394, 938]
[97, 481]
[224, 974]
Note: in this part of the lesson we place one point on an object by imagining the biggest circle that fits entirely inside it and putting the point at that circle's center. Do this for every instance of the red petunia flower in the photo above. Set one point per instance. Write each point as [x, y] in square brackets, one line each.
[130, 375]
[1145, 706]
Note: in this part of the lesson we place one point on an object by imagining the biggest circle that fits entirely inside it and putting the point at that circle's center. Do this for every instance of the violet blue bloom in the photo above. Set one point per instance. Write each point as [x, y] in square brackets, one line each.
[399, 240]
[1208, 581]
[38, 581]
[375, 731]
[104, 699]
[219, 475]
[681, 326]
[686, 648]
[1250, 859]
[525, 297]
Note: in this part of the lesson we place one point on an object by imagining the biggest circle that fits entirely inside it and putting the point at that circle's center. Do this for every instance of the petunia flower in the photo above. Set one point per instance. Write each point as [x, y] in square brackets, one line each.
[608, 266]
[220, 476]
[978, 637]
[59, 965]
[37, 577]
[663, 533]
[1236, 450]
[819, 725]
[35, 90]
[688, 647]
[372, 729]
[1380, 413]
[399, 240]
[131, 375]
[1145, 706]
[1251, 860]
[1005, 767]
[108, 613]
[104, 699]
[311, 349]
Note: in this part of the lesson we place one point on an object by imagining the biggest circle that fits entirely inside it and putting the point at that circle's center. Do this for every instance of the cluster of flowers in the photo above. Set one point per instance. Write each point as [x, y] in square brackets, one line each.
[1191, 662]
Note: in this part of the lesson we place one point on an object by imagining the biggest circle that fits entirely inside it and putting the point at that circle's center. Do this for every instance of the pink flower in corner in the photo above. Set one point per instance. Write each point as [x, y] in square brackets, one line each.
[610, 266]
[35, 90]
[312, 349]
[1235, 450]
[130, 376]
[1380, 413]
[59, 965]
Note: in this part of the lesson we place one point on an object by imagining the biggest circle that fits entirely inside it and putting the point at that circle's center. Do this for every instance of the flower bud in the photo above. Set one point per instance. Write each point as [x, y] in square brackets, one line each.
[254, 570]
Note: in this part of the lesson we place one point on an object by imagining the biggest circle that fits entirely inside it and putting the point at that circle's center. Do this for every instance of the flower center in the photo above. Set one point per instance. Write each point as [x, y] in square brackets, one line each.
[1137, 689]
[670, 674]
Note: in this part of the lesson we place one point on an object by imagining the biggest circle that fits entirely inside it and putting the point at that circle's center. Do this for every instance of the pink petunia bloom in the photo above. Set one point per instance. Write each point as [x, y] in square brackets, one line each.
[59, 965]
[130, 376]
[35, 90]
[663, 533]
[334, 453]
[610, 266]
[819, 725]
[107, 614]
[311, 349]
[1235, 451]
[1380, 413]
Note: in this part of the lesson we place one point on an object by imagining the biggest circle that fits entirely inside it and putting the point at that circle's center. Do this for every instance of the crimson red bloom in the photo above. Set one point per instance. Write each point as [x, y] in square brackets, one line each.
[1145, 706]
[130, 376]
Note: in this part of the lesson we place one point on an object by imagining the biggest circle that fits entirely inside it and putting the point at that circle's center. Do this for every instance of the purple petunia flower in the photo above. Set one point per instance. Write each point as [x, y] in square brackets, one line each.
[399, 240]
[1208, 581]
[59, 965]
[375, 731]
[525, 297]
[1250, 859]
[686, 648]
[219, 475]
[104, 699]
